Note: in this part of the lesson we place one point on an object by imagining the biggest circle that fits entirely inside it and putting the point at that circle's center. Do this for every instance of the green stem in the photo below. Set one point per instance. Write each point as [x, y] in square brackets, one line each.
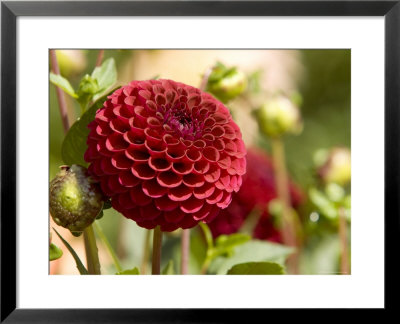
[282, 182]
[156, 260]
[110, 250]
[185, 246]
[210, 247]
[344, 258]
[92, 255]
[146, 250]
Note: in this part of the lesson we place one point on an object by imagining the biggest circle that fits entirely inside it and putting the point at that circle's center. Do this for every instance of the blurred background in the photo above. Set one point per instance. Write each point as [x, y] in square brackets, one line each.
[316, 81]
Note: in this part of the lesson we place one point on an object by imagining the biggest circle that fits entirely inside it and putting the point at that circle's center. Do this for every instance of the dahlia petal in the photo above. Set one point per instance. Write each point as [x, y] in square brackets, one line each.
[188, 222]
[153, 122]
[149, 212]
[212, 214]
[151, 105]
[114, 185]
[126, 201]
[164, 203]
[230, 148]
[208, 137]
[191, 205]
[182, 167]
[121, 162]
[143, 171]
[160, 99]
[193, 100]
[201, 166]
[158, 88]
[148, 224]
[225, 161]
[145, 94]
[215, 197]
[128, 90]
[103, 115]
[180, 193]
[105, 188]
[193, 180]
[153, 135]
[193, 155]
[102, 149]
[103, 129]
[225, 201]
[211, 154]
[221, 117]
[170, 140]
[91, 154]
[174, 154]
[137, 155]
[169, 179]
[229, 132]
[159, 164]
[156, 149]
[213, 174]
[218, 131]
[127, 179]
[133, 138]
[152, 189]
[219, 144]
[241, 150]
[107, 167]
[174, 216]
[204, 191]
[115, 143]
[96, 168]
[239, 165]
[138, 197]
[120, 125]
[209, 122]
[170, 95]
[199, 144]
[231, 171]
[141, 113]
[202, 213]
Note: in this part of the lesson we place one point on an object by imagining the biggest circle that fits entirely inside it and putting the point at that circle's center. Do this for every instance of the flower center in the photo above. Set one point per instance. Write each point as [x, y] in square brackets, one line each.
[180, 119]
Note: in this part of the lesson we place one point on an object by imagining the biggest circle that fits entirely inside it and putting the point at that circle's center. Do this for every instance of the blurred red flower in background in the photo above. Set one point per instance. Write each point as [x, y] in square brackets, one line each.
[166, 154]
[257, 190]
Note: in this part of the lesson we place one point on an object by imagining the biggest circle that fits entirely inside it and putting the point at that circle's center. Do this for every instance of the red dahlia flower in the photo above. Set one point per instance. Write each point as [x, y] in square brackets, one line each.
[166, 154]
[257, 191]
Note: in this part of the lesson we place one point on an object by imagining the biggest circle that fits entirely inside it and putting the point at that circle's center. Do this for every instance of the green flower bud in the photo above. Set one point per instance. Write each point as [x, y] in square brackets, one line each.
[226, 84]
[71, 62]
[279, 116]
[337, 167]
[75, 200]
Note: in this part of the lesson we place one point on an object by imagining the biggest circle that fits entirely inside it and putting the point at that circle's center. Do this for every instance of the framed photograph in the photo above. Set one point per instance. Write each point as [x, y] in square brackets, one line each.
[224, 157]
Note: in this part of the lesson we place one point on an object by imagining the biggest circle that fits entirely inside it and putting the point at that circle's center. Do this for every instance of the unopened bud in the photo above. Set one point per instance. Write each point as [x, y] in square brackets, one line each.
[279, 116]
[226, 84]
[75, 199]
[337, 167]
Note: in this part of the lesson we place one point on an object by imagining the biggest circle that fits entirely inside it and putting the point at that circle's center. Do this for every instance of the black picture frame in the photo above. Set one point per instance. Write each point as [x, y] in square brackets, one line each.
[11, 10]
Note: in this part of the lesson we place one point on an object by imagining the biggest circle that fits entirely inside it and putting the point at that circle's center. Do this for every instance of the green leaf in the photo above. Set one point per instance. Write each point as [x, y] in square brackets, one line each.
[169, 268]
[62, 83]
[324, 205]
[55, 252]
[106, 74]
[251, 251]
[74, 144]
[79, 264]
[225, 244]
[256, 268]
[134, 271]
